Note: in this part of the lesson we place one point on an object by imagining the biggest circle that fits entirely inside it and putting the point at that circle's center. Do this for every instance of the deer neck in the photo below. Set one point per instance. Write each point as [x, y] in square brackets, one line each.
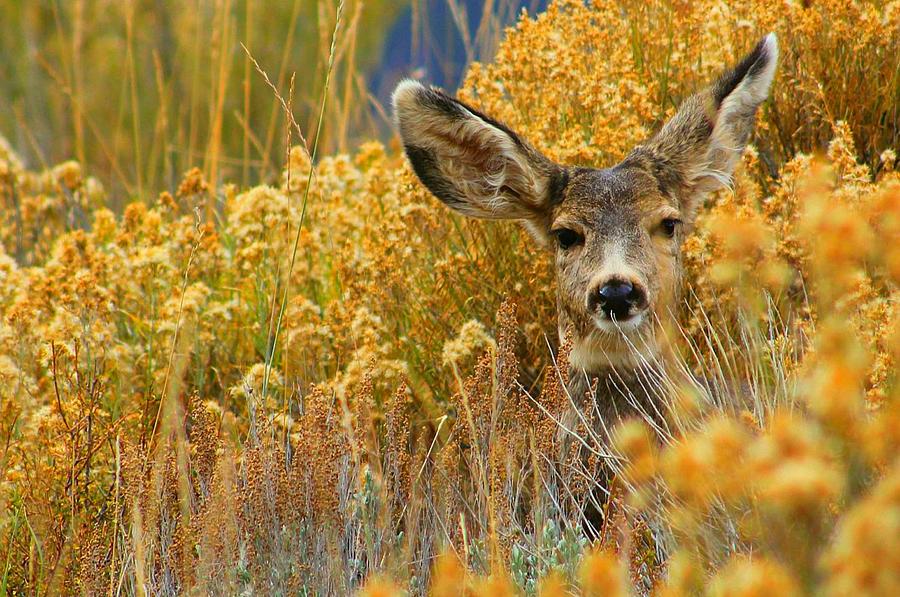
[617, 378]
[614, 394]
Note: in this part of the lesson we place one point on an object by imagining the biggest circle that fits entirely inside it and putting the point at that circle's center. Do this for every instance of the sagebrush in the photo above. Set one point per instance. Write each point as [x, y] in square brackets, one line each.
[399, 433]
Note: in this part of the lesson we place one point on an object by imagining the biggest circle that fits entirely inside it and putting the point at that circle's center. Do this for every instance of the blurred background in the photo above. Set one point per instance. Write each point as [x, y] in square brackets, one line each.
[139, 91]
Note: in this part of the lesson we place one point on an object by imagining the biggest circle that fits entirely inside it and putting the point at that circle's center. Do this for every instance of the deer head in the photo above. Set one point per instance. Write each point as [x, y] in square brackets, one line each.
[616, 232]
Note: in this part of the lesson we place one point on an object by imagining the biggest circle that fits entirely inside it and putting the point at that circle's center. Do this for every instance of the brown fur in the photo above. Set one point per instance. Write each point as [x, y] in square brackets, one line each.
[481, 168]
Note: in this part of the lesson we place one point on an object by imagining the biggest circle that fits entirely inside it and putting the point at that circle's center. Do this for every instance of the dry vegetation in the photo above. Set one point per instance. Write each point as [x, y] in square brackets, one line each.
[184, 408]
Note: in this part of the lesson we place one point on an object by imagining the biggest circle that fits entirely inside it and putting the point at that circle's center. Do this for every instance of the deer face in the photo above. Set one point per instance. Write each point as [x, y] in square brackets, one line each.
[616, 238]
[616, 232]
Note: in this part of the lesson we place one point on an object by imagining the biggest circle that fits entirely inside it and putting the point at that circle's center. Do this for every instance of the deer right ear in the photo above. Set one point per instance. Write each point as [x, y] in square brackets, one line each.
[474, 164]
[697, 150]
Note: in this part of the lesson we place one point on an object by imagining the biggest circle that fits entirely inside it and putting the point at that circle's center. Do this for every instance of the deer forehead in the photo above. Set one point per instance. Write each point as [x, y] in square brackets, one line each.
[611, 200]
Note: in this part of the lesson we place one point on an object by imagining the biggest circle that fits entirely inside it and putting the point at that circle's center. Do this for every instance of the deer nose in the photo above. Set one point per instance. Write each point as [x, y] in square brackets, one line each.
[616, 298]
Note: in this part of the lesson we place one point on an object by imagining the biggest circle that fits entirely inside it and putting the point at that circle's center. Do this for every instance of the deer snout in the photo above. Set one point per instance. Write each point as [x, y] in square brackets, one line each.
[616, 298]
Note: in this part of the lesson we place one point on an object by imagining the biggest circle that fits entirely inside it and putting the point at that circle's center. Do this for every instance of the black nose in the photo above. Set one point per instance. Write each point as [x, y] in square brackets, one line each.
[616, 298]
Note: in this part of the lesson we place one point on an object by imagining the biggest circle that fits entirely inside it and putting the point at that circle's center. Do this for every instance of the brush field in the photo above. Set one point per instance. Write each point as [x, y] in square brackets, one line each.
[330, 384]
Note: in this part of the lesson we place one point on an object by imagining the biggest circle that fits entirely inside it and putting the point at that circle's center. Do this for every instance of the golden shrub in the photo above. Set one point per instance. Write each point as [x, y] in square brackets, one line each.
[190, 405]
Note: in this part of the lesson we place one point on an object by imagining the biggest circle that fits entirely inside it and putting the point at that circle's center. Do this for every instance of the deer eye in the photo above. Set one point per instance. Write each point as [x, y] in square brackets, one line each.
[669, 225]
[567, 238]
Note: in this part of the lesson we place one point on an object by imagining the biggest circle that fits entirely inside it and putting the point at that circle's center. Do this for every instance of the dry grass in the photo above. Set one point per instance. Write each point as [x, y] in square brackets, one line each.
[186, 407]
[142, 91]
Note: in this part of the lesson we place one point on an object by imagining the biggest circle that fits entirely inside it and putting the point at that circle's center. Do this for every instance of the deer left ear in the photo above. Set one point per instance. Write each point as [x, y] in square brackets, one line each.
[697, 150]
[474, 164]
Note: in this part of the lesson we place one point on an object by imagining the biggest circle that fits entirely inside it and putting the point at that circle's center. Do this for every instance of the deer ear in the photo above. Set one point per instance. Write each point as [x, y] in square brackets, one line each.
[697, 150]
[474, 164]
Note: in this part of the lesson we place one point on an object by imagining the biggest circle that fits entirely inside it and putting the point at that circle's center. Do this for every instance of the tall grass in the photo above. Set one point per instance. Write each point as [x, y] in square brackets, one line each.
[144, 91]
[141, 92]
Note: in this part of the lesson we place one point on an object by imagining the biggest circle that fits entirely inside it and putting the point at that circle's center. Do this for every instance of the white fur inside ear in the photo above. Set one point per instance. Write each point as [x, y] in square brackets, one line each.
[764, 79]
[734, 119]
[754, 88]
[485, 165]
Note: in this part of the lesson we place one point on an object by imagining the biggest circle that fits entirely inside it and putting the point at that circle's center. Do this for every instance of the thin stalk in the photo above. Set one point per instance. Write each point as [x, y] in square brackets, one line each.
[274, 341]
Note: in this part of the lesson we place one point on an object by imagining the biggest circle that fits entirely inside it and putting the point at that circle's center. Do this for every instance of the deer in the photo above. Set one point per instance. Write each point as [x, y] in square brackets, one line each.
[616, 232]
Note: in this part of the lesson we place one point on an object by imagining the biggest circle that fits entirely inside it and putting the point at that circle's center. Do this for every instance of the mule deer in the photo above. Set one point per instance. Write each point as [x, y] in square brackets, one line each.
[616, 232]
